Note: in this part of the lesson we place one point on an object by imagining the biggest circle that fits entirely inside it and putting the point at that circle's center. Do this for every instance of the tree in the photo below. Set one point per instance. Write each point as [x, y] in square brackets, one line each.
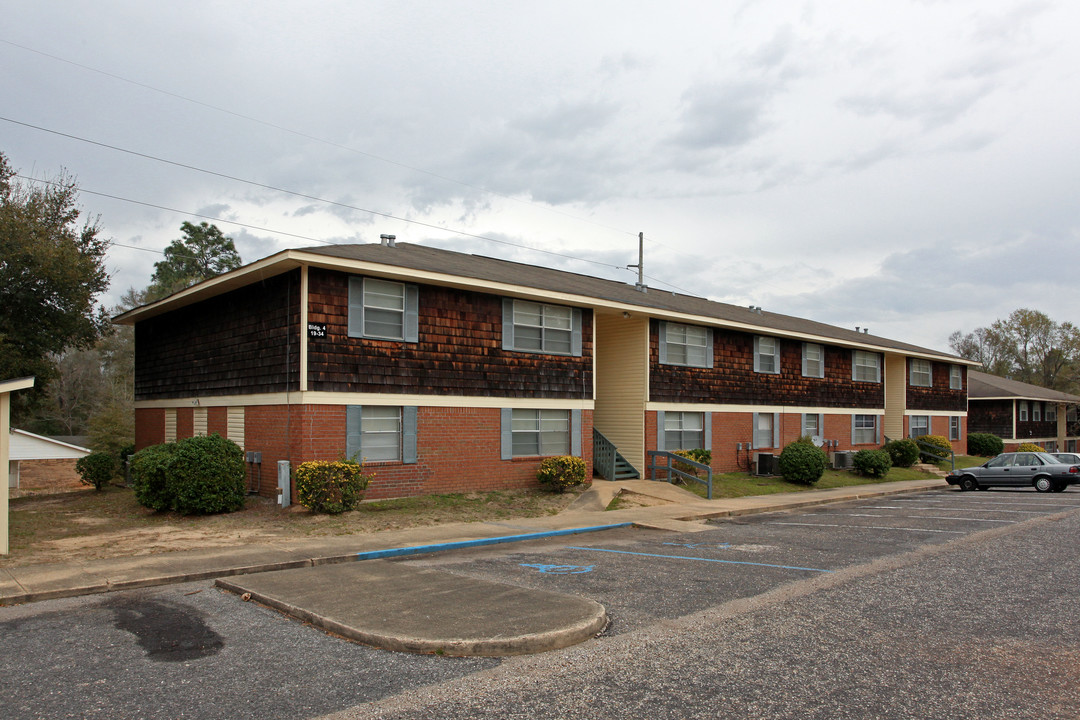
[204, 252]
[51, 272]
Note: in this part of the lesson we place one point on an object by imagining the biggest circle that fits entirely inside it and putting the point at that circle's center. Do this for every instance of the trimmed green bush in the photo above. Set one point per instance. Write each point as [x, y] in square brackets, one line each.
[942, 448]
[697, 455]
[193, 475]
[903, 452]
[558, 473]
[150, 476]
[801, 462]
[872, 463]
[206, 475]
[331, 487]
[984, 444]
[1030, 447]
[96, 469]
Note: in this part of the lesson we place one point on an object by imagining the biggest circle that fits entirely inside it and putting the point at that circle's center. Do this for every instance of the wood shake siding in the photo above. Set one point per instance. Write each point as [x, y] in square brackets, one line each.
[732, 379]
[245, 341]
[938, 397]
[458, 352]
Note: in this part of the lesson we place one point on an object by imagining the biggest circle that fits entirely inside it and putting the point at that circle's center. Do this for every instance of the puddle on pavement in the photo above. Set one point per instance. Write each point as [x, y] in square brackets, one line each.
[167, 632]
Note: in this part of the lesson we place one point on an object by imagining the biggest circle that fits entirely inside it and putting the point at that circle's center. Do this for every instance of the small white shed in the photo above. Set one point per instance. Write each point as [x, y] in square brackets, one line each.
[37, 456]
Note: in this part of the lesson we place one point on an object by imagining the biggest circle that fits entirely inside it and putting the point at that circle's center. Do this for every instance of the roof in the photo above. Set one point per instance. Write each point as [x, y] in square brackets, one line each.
[982, 386]
[28, 446]
[16, 384]
[445, 267]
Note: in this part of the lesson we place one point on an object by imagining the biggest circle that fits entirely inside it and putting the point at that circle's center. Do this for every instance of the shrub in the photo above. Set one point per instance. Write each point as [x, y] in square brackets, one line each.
[1029, 447]
[206, 475]
[872, 463]
[150, 476]
[96, 469]
[984, 444]
[331, 487]
[559, 473]
[801, 462]
[194, 475]
[942, 448]
[903, 452]
[698, 455]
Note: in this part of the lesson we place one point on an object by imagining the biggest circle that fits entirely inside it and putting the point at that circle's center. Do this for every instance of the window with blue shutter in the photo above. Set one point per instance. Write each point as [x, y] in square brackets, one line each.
[383, 310]
[688, 345]
[541, 328]
[380, 433]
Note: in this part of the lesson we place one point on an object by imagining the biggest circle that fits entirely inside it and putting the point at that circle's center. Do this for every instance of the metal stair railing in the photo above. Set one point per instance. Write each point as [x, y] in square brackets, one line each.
[603, 455]
[671, 470]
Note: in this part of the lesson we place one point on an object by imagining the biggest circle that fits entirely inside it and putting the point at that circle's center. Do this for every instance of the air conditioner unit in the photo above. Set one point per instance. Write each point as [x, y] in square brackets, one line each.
[766, 463]
[841, 459]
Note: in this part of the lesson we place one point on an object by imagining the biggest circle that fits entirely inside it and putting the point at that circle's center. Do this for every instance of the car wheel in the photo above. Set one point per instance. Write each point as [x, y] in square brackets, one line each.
[968, 483]
[1044, 484]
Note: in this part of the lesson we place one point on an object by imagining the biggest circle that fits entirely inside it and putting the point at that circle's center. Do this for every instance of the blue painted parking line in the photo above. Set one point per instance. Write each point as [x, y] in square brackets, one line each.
[684, 557]
[438, 547]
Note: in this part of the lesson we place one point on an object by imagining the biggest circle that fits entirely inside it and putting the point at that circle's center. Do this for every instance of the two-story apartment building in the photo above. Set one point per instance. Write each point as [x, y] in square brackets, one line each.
[1019, 412]
[449, 372]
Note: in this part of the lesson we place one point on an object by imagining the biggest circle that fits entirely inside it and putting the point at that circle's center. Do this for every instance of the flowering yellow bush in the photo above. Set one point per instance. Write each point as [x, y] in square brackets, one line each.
[559, 473]
[331, 487]
[1030, 447]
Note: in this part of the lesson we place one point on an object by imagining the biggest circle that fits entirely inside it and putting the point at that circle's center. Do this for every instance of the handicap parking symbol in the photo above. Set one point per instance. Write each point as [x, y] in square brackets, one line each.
[560, 569]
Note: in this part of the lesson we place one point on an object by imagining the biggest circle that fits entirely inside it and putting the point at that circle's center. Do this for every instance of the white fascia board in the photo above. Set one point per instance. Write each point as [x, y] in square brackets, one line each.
[388, 399]
[782, 409]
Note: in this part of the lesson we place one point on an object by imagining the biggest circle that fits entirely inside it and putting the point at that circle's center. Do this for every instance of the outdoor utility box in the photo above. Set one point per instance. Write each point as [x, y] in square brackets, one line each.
[841, 459]
[766, 464]
[284, 484]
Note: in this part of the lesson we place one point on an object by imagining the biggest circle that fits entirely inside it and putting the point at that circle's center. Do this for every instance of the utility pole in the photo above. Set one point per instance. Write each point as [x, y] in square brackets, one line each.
[640, 263]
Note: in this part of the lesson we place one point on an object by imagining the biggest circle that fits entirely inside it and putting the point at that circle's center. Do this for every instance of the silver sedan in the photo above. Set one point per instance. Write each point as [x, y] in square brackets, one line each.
[1040, 470]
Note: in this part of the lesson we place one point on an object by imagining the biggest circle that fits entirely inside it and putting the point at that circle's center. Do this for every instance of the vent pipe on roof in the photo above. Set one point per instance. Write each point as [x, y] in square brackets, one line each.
[388, 240]
[640, 286]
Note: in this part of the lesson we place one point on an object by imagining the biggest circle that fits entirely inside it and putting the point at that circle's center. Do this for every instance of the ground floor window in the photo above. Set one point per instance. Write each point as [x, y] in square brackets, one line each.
[540, 432]
[918, 425]
[812, 425]
[1051, 447]
[380, 433]
[764, 426]
[1070, 446]
[684, 430]
[954, 428]
[864, 430]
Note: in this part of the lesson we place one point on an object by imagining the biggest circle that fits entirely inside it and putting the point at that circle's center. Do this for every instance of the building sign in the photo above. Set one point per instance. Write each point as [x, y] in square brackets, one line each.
[316, 330]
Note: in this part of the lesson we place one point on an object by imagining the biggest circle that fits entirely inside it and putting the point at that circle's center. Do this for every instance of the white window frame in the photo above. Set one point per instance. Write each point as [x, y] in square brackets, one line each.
[682, 426]
[954, 427]
[369, 309]
[381, 433]
[920, 373]
[808, 367]
[536, 327]
[956, 378]
[861, 365]
[1036, 411]
[818, 421]
[1051, 412]
[685, 345]
[761, 354]
[864, 429]
[1023, 411]
[546, 431]
[920, 418]
[765, 427]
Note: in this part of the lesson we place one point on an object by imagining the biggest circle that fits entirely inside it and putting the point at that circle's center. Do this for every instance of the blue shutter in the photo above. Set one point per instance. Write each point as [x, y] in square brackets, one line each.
[356, 306]
[877, 430]
[506, 437]
[663, 344]
[353, 449]
[575, 333]
[660, 430]
[508, 324]
[708, 347]
[707, 426]
[408, 434]
[753, 431]
[575, 433]
[776, 430]
[852, 429]
[757, 363]
[411, 331]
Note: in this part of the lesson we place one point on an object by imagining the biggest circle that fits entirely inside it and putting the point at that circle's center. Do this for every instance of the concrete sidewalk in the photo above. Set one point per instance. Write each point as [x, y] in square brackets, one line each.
[445, 626]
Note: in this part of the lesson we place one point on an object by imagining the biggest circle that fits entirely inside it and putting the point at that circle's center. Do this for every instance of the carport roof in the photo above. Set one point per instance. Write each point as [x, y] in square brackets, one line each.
[982, 386]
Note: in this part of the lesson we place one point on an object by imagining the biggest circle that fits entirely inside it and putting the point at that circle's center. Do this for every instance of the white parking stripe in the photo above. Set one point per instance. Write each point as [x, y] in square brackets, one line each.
[1021, 512]
[965, 519]
[872, 527]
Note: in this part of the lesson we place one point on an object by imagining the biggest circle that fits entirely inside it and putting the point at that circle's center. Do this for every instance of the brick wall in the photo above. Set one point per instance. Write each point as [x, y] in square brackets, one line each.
[55, 474]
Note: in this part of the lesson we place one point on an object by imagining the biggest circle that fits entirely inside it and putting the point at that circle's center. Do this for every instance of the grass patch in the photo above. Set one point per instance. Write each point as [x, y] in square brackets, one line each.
[733, 485]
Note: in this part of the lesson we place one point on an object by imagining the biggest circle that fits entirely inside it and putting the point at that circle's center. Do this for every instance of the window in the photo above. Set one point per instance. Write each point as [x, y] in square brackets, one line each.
[1051, 412]
[688, 345]
[1070, 446]
[766, 355]
[379, 433]
[765, 426]
[1023, 411]
[954, 427]
[866, 366]
[199, 422]
[170, 425]
[921, 373]
[1070, 414]
[234, 419]
[864, 430]
[956, 378]
[540, 432]
[1036, 412]
[684, 430]
[812, 425]
[537, 327]
[918, 425]
[813, 360]
[1051, 446]
[383, 310]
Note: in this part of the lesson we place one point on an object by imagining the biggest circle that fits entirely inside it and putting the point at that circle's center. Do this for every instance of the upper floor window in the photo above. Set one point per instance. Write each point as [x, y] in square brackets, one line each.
[539, 327]
[688, 345]
[866, 366]
[956, 378]
[766, 355]
[1036, 411]
[382, 309]
[921, 374]
[1051, 412]
[1023, 410]
[813, 360]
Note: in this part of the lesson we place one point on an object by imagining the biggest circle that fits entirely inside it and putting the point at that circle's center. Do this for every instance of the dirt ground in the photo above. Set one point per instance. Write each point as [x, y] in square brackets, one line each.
[86, 524]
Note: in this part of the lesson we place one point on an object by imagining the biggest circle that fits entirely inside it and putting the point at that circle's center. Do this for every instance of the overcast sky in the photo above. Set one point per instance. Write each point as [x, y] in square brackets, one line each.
[911, 167]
